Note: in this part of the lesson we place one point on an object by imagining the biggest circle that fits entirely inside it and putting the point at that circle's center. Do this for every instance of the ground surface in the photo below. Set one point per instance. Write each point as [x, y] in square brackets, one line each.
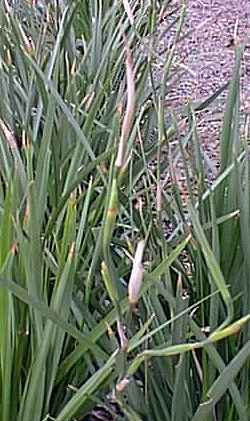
[206, 60]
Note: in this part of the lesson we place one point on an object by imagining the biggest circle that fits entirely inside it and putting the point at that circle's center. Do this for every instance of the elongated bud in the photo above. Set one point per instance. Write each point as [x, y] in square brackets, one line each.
[128, 10]
[7, 7]
[130, 109]
[136, 276]
[72, 251]
[121, 386]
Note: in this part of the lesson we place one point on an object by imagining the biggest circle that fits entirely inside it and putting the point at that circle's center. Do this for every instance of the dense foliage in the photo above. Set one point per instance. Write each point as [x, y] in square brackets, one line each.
[99, 306]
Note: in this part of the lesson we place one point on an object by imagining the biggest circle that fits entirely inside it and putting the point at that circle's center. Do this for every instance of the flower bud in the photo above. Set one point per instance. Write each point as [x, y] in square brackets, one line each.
[121, 386]
[136, 276]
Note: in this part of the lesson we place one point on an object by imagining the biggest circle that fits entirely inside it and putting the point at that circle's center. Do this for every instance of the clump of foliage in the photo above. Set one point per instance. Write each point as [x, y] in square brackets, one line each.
[97, 306]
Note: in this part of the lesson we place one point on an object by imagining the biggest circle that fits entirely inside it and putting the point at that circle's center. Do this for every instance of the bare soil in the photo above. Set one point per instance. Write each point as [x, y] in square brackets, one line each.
[206, 59]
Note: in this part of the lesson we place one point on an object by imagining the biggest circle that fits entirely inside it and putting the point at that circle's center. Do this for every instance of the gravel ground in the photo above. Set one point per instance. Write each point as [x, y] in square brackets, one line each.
[206, 59]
